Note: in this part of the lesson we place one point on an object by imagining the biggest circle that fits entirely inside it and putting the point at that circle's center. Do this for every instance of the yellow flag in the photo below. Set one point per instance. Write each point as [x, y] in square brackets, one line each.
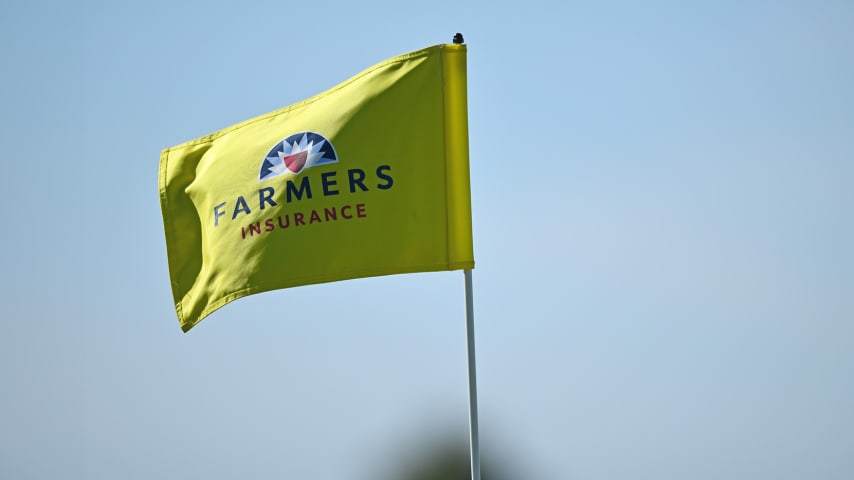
[368, 178]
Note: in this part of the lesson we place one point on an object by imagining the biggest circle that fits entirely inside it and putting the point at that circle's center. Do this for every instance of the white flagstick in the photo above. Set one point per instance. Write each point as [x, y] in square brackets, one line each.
[475, 447]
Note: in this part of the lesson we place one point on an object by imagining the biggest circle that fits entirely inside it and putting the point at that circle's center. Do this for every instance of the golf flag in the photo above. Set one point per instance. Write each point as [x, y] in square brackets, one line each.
[368, 178]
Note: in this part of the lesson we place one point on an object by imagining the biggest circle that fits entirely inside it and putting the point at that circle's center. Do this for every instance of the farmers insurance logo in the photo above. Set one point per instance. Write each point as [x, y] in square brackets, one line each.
[296, 153]
[278, 205]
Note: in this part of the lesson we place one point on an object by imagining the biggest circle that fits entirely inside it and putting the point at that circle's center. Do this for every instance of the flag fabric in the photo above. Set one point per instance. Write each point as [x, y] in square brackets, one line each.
[368, 178]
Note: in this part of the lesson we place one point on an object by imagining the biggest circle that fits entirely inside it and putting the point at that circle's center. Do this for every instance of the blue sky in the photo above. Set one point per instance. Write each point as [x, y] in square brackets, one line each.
[663, 219]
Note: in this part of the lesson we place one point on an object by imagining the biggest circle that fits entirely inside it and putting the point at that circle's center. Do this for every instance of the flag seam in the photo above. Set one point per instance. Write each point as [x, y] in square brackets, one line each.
[446, 156]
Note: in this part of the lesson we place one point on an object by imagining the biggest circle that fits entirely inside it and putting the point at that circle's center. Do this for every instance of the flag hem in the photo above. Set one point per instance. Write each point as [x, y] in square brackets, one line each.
[186, 324]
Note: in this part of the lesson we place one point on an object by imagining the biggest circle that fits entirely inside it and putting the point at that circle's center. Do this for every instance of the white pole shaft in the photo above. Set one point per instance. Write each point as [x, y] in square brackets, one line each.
[475, 441]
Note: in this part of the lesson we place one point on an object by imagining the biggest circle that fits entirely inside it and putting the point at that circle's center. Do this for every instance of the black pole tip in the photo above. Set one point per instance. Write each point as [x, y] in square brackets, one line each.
[458, 38]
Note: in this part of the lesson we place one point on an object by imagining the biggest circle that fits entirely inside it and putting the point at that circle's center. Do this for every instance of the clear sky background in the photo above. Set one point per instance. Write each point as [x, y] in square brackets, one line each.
[663, 204]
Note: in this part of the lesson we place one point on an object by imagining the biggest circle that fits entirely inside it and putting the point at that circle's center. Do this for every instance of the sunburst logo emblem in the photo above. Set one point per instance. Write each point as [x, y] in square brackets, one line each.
[296, 153]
